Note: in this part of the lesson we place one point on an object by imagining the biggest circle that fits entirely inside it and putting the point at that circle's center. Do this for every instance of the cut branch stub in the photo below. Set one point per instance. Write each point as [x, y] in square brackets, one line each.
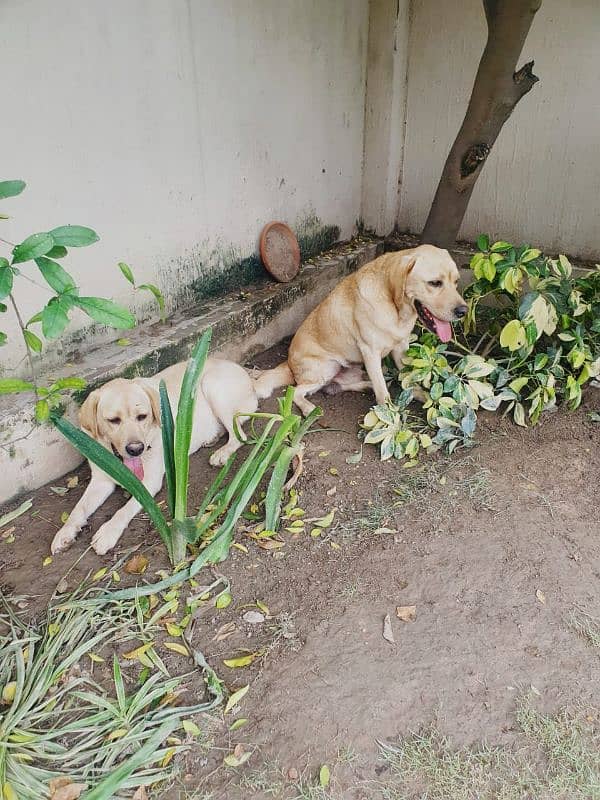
[473, 158]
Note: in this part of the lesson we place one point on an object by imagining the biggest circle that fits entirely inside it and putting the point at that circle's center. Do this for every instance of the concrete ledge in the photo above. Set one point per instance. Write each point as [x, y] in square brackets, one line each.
[243, 325]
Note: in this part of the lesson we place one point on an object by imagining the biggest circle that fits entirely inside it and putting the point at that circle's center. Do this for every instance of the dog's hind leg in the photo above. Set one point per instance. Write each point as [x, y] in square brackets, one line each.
[351, 379]
[220, 456]
[229, 392]
[311, 375]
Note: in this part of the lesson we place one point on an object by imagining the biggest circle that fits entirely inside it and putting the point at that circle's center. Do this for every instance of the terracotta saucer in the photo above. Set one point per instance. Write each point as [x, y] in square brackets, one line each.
[280, 251]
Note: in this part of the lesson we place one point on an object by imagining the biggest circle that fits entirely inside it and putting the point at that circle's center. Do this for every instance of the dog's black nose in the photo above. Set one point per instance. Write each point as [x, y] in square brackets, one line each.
[135, 448]
[460, 311]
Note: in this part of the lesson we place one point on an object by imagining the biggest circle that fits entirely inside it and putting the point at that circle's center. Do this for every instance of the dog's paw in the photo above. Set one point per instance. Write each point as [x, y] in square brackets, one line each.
[220, 456]
[63, 539]
[105, 538]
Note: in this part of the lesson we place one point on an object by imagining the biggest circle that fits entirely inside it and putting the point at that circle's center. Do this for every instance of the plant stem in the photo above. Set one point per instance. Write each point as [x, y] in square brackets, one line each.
[29, 353]
[462, 347]
[489, 346]
[476, 348]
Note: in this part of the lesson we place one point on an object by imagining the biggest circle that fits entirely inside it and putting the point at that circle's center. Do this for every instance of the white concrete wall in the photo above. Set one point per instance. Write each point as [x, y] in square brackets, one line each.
[177, 129]
[542, 180]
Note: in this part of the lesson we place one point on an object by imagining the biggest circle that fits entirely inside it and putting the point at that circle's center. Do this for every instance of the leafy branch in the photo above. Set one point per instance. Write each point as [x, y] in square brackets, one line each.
[45, 250]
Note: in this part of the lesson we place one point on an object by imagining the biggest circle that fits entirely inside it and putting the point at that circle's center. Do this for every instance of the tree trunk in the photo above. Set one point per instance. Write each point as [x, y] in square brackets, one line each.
[496, 92]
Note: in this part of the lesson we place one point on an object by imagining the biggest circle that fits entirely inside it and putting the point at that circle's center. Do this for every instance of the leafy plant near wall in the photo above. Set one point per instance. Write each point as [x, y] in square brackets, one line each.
[213, 525]
[46, 250]
[531, 341]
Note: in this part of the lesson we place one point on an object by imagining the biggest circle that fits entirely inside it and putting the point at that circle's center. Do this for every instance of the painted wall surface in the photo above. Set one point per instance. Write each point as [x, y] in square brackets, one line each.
[385, 112]
[177, 130]
[542, 180]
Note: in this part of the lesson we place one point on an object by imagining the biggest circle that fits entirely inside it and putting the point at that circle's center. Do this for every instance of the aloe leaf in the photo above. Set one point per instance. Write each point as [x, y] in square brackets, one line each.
[168, 438]
[108, 463]
[185, 418]
[107, 787]
[215, 486]
[275, 488]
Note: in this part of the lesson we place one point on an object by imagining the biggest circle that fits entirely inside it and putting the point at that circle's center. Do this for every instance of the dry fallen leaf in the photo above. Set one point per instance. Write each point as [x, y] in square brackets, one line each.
[72, 482]
[241, 661]
[62, 586]
[406, 613]
[140, 794]
[388, 633]
[136, 565]
[64, 789]
[224, 631]
[239, 756]
[541, 597]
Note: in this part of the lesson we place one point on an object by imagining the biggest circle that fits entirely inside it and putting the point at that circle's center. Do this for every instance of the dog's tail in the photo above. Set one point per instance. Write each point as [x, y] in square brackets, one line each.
[271, 379]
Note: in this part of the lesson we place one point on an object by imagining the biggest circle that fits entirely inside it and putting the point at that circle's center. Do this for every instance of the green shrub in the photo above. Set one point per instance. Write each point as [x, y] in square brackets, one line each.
[531, 341]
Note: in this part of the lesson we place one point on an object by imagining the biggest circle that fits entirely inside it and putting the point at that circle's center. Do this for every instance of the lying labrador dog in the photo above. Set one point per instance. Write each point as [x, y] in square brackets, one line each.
[124, 416]
[370, 314]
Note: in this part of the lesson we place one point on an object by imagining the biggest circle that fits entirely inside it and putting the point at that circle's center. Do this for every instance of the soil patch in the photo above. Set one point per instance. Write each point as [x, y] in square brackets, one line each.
[496, 548]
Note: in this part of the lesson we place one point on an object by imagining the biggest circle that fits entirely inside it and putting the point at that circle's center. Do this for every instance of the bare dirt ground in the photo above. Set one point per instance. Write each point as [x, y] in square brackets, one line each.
[497, 548]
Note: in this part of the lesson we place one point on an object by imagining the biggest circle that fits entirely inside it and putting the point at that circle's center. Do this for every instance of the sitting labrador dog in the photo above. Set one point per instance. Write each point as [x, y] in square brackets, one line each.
[124, 416]
[370, 314]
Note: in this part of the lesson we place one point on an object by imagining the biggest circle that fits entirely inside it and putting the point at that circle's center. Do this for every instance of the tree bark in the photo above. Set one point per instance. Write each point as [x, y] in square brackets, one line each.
[496, 92]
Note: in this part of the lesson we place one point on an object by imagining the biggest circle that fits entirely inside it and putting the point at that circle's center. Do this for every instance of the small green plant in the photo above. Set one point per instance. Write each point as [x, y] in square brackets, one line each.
[212, 527]
[531, 341]
[149, 287]
[45, 250]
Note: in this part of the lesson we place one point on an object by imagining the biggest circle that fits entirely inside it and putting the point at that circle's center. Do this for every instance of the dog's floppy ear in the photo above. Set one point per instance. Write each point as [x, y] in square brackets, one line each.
[401, 278]
[88, 414]
[154, 398]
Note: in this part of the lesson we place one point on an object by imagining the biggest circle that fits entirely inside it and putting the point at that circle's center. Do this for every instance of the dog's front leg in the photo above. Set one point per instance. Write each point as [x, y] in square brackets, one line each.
[99, 489]
[107, 536]
[398, 354]
[372, 361]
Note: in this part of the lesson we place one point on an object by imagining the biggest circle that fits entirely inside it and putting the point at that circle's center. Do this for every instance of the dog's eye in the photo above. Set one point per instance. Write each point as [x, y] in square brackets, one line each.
[437, 284]
[141, 417]
[115, 420]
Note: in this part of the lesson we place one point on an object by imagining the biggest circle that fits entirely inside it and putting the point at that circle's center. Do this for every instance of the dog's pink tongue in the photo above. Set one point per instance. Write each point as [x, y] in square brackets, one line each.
[443, 329]
[136, 466]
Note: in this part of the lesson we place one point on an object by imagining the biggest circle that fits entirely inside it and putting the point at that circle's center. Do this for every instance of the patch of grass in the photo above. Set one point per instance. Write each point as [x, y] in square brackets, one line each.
[587, 627]
[555, 758]
[310, 790]
[267, 779]
[377, 513]
[346, 754]
[350, 590]
[441, 486]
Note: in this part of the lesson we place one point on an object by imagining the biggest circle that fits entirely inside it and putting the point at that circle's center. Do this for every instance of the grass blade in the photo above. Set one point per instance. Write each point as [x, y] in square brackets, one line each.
[108, 463]
[168, 438]
[185, 415]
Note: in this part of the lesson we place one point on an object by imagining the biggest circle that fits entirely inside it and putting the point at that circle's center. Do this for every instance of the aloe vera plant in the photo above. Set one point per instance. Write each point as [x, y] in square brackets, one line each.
[213, 525]
[58, 721]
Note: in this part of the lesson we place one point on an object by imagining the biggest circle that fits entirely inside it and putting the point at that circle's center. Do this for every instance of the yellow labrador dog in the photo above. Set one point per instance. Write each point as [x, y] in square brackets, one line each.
[124, 416]
[370, 314]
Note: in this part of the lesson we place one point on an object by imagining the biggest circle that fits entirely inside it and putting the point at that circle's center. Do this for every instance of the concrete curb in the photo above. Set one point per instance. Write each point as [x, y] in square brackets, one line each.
[243, 325]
